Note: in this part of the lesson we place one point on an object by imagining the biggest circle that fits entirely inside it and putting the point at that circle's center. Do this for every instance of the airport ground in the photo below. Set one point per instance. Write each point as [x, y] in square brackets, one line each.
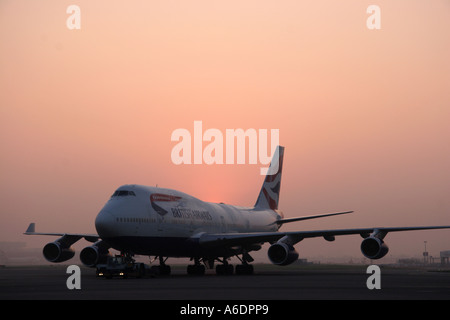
[296, 282]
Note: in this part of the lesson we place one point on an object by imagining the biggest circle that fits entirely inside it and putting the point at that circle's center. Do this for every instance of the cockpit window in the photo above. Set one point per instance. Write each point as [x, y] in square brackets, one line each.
[123, 193]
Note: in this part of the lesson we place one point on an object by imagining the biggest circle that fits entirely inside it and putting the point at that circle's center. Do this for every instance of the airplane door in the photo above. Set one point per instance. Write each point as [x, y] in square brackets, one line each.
[223, 225]
[160, 224]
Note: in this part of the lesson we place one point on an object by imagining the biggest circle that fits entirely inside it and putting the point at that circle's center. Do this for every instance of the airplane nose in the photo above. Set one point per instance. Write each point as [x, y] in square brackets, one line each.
[105, 224]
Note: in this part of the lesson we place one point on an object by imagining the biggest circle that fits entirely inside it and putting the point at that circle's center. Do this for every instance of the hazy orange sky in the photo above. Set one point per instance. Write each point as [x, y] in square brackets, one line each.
[364, 114]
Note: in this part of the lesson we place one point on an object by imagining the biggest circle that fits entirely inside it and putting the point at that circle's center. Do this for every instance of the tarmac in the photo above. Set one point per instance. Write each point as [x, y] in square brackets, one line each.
[310, 282]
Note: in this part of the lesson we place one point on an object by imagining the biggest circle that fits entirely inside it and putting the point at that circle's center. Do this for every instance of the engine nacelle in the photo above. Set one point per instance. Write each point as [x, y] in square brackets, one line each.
[282, 254]
[374, 248]
[93, 255]
[57, 252]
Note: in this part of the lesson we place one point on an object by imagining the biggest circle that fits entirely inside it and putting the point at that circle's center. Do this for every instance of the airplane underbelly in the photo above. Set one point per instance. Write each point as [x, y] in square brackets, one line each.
[165, 246]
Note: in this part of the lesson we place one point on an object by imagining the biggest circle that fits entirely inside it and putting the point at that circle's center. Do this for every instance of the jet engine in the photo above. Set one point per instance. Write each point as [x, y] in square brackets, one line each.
[282, 254]
[374, 248]
[58, 252]
[95, 254]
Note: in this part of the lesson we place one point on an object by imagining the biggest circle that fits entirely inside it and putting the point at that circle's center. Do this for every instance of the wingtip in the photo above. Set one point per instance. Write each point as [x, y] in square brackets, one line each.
[31, 228]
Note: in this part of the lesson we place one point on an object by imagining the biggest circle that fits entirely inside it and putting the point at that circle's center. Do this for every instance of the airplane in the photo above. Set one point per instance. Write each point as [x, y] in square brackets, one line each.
[159, 222]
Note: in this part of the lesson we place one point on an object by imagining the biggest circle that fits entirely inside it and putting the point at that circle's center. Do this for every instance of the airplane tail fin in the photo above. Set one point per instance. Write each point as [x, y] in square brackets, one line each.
[270, 191]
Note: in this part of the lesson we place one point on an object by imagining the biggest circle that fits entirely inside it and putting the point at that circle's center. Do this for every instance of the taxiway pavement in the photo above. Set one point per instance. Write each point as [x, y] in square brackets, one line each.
[269, 282]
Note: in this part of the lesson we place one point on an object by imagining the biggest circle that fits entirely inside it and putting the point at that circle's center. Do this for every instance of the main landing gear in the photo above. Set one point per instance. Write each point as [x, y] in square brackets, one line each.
[199, 266]
[245, 268]
[162, 269]
[228, 269]
[165, 270]
[224, 268]
[196, 269]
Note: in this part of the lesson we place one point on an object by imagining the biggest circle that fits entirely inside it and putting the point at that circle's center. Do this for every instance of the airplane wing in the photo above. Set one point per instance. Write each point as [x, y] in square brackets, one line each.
[281, 221]
[72, 236]
[234, 239]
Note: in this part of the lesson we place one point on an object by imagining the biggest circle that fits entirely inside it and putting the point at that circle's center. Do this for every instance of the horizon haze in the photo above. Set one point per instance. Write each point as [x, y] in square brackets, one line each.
[363, 114]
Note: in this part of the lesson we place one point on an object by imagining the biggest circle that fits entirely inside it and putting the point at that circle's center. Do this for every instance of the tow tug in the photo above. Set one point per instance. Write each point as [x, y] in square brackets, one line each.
[122, 266]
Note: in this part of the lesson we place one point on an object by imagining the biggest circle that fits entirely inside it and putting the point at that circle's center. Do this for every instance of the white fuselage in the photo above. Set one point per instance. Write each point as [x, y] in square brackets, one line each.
[150, 220]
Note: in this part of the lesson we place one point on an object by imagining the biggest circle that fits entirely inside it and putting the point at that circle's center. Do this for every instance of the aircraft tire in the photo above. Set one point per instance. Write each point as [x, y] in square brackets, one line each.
[194, 269]
[224, 269]
[244, 269]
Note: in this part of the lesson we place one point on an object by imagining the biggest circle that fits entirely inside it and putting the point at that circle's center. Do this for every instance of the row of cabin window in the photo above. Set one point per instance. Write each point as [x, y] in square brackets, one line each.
[141, 220]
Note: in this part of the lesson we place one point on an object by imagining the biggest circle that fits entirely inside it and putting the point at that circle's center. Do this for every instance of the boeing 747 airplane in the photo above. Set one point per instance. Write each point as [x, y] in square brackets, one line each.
[152, 221]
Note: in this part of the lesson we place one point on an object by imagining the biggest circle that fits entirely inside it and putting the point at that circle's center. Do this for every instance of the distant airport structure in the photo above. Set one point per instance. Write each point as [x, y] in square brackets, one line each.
[17, 253]
[445, 257]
